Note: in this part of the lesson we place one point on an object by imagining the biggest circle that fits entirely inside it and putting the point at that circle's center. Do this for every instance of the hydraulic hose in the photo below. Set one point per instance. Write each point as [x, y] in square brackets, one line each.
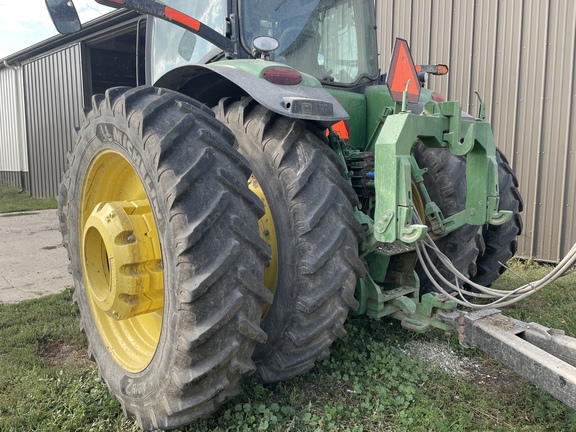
[501, 297]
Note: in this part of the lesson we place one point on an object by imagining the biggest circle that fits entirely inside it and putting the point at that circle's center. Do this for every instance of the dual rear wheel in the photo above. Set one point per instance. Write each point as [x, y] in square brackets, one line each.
[174, 276]
[312, 230]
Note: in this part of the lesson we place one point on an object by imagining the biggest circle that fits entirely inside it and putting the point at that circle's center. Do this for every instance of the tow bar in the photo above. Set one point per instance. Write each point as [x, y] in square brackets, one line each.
[544, 356]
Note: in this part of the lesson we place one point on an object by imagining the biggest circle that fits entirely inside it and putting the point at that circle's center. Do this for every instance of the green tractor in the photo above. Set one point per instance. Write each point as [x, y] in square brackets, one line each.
[226, 218]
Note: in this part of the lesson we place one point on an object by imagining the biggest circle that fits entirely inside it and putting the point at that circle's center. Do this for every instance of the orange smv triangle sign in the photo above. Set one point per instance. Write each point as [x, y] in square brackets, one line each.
[401, 70]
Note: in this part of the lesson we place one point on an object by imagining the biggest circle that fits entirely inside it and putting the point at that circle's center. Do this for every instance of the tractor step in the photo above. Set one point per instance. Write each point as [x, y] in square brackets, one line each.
[544, 356]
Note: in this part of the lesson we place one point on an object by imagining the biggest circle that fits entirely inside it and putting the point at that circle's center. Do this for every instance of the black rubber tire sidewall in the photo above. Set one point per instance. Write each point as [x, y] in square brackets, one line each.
[309, 310]
[445, 181]
[188, 377]
[120, 381]
[501, 240]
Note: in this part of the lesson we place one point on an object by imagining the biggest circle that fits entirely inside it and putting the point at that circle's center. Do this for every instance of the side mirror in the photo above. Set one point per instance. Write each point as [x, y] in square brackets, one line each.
[263, 47]
[64, 16]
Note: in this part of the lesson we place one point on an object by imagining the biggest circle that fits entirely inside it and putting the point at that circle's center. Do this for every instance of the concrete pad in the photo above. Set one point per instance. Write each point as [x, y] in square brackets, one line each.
[33, 262]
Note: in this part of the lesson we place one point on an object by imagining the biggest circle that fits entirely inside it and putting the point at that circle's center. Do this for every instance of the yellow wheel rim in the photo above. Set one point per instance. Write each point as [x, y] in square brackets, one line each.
[121, 260]
[268, 233]
[418, 203]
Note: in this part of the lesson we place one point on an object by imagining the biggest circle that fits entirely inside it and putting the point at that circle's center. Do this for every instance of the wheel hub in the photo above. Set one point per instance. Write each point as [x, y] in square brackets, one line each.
[122, 264]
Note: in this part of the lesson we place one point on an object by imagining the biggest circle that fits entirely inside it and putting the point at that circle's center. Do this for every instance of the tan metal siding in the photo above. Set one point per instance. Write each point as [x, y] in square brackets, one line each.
[567, 223]
[54, 100]
[530, 106]
[13, 156]
[520, 56]
[504, 115]
[440, 39]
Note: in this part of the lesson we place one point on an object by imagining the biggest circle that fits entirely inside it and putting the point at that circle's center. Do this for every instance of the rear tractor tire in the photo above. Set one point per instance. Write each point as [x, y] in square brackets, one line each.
[478, 252]
[500, 240]
[162, 233]
[310, 226]
[445, 181]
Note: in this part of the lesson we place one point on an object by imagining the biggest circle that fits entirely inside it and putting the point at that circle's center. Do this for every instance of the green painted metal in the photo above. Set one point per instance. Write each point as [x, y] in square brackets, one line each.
[256, 67]
[420, 316]
[390, 274]
[378, 289]
[391, 287]
[431, 209]
[440, 125]
[391, 132]
[395, 293]
[355, 106]
[402, 304]
[377, 300]
[378, 99]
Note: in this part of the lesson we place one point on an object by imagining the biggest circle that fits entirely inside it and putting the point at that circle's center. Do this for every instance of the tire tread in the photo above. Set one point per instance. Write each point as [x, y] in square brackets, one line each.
[308, 315]
[215, 316]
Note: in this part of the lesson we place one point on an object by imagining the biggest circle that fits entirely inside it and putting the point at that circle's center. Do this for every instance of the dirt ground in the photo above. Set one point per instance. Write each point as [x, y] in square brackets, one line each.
[33, 262]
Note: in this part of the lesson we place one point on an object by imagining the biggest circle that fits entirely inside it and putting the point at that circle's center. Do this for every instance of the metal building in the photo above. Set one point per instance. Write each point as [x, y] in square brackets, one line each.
[44, 88]
[520, 57]
[13, 149]
[518, 54]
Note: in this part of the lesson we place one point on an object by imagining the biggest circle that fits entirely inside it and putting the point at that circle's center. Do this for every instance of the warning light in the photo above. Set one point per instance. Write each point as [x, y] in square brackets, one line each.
[442, 69]
[342, 129]
[282, 75]
[439, 69]
[401, 71]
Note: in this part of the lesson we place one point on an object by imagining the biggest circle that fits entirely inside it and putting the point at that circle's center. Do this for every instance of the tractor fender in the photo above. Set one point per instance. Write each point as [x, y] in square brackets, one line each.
[211, 82]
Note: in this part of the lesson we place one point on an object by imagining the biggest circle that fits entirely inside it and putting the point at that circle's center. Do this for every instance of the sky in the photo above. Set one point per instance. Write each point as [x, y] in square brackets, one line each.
[24, 23]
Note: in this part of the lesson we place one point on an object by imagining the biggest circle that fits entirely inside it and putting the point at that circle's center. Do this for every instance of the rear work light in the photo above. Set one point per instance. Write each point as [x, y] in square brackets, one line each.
[282, 75]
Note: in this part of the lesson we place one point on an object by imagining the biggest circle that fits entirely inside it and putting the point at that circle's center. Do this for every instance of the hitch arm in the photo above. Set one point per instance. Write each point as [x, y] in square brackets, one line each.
[544, 356]
[440, 125]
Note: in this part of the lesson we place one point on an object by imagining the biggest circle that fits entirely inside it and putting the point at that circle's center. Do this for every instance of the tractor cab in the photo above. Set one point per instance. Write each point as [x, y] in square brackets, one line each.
[332, 40]
[170, 46]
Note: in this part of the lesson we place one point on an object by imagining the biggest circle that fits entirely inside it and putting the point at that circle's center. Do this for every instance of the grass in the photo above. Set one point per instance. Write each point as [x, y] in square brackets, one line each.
[553, 306]
[367, 384]
[15, 200]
